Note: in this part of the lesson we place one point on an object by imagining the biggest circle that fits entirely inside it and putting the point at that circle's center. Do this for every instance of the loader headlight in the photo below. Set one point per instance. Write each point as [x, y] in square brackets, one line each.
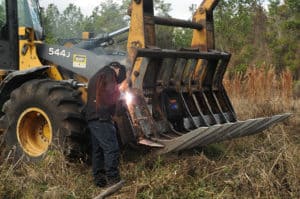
[128, 98]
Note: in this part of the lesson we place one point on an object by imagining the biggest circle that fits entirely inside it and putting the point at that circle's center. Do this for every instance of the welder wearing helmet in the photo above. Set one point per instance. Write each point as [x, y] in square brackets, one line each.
[103, 94]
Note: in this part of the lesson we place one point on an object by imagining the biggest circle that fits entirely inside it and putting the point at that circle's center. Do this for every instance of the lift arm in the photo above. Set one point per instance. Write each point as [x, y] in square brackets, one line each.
[142, 28]
[204, 39]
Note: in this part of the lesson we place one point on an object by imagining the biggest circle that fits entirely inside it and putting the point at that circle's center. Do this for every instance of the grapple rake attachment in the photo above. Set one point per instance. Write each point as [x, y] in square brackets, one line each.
[179, 99]
[175, 111]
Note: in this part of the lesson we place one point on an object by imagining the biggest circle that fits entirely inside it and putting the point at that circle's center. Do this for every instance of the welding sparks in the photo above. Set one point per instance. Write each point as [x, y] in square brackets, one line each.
[128, 98]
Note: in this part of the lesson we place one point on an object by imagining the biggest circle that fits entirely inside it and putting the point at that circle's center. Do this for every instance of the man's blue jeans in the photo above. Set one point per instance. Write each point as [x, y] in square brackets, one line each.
[105, 153]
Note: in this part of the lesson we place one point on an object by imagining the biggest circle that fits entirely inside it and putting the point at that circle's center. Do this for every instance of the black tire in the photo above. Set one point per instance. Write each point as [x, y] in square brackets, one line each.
[60, 104]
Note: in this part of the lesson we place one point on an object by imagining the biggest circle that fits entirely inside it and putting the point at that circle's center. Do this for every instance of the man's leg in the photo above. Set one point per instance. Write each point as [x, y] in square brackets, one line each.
[97, 156]
[109, 143]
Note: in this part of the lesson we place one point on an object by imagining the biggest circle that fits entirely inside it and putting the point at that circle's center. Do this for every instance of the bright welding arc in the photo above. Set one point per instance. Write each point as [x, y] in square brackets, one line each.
[128, 98]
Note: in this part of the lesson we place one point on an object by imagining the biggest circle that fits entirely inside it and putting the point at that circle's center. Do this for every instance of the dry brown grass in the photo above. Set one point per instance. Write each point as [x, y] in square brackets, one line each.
[260, 83]
[260, 92]
[262, 166]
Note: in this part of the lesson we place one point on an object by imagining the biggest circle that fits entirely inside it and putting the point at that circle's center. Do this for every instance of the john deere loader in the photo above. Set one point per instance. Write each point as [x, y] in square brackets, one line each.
[174, 99]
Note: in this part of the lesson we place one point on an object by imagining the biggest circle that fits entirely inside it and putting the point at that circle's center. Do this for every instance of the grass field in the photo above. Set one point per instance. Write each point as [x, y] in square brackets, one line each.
[266, 165]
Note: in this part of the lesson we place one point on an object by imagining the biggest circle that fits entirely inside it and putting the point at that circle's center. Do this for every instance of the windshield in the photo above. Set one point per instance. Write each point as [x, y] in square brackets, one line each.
[28, 13]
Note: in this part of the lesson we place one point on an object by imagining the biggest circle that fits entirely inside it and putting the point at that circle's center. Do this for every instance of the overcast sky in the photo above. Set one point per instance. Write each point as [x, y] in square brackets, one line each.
[180, 8]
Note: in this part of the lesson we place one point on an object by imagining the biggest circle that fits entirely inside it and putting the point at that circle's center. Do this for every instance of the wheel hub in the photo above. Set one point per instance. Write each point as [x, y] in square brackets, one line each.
[34, 131]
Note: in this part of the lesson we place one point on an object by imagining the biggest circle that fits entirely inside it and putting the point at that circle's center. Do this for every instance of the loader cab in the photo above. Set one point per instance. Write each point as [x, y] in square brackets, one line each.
[29, 17]
[13, 15]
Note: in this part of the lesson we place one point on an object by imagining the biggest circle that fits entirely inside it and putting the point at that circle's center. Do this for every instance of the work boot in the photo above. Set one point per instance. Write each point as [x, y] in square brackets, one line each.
[113, 180]
[100, 181]
[101, 184]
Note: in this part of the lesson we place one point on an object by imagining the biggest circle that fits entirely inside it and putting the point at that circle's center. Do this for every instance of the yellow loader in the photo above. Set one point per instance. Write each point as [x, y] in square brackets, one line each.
[175, 99]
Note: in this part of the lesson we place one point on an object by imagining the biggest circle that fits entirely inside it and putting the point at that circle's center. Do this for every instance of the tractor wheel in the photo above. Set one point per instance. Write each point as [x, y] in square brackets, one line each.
[43, 114]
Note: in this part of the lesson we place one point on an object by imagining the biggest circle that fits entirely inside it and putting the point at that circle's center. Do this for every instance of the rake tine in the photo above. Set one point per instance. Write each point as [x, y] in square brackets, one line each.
[172, 145]
[191, 119]
[178, 70]
[272, 120]
[166, 70]
[253, 128]
[201, 140]
[210, 108]
[216, 138]
[199, 110]
[190, 73]
[219, 106]
[212, 136]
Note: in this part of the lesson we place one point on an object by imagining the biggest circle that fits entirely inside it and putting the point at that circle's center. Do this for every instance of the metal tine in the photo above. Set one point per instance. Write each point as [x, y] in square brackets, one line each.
[191, 72]
[264, 122]
[199, 97]
[173, 70]
[199, 110]
[219, 107]
[216, 110]
[172, 145]
[243, 127]
[207, 135]
[188, 73]
[252, 124]
[237, 126]
[206, 84]
[191, 119]
[174, 131]
[199, 74]
[185, 73]
[200, 137]
[177, 74]
[272, 120]
[234, 127]
[203, 140]
[170, 132]
[213, 80]
[187, 80]
[166, 71]
[214, 138]
[180, 66]
[228, 104]
[214, 65]
[220, 71]
[209, 107]
[210, 72]
[163, 69]
[218, 85]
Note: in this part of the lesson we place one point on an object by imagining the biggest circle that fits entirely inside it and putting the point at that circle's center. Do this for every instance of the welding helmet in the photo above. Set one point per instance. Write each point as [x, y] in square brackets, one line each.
[122, 72]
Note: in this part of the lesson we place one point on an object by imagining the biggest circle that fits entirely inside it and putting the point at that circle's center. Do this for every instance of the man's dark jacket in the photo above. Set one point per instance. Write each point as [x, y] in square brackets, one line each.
[103, 93]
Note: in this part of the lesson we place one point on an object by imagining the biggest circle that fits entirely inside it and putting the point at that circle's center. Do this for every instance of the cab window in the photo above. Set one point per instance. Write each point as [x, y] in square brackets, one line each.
[3, 23]
[28, 14]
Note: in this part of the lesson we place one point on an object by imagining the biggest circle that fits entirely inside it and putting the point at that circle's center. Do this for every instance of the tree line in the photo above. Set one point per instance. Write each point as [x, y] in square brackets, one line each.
[256, 35]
